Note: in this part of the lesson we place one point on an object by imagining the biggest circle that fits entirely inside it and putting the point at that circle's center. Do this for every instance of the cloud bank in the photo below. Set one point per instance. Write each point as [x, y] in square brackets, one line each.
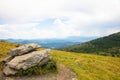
[35, 19]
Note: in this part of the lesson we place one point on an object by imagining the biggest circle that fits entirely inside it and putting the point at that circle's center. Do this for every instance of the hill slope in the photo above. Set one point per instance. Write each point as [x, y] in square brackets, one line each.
[86, 66]
[109, 45]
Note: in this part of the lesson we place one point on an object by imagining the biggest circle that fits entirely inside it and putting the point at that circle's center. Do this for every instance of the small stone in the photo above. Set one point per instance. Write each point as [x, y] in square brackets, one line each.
[74, 79]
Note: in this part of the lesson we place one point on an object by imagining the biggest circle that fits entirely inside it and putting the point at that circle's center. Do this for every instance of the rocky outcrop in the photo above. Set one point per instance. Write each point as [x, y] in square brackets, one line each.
[28, 60]
[24, 59]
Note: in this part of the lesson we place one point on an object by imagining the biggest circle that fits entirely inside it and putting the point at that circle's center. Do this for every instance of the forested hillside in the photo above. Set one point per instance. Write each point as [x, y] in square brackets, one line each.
[108, 45]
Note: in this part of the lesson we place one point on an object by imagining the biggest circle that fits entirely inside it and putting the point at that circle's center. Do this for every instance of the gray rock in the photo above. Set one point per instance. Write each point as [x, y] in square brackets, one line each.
[8, 59]
[23, 49]
[28, 60]
[25, 57]
[44, 60]
[8, 71]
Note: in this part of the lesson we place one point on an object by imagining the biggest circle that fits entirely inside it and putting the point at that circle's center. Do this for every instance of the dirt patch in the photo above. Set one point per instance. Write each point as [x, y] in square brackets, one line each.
[63, 74]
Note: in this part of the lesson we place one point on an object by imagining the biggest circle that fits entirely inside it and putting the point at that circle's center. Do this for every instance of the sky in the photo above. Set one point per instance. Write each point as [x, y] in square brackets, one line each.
[41, 19]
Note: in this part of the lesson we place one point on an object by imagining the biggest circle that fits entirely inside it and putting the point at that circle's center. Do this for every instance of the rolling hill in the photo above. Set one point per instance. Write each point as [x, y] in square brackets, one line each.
[108, 45]
[85, 66]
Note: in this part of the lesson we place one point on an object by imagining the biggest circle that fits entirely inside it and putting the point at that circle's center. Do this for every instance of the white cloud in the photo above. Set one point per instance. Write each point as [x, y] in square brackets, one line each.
[26, 10]
[87, 10]
[81, 15]
[17, 30]
[65, 29]
[31, 31]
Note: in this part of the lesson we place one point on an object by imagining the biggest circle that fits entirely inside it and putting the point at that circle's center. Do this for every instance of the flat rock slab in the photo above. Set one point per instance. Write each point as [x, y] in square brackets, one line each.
[23, 49]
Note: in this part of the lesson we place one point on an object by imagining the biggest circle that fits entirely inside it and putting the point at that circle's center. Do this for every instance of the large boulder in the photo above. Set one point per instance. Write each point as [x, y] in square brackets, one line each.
[23, 49]
[26, 61]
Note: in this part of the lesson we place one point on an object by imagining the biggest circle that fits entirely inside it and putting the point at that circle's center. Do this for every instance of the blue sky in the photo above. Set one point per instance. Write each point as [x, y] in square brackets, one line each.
[40, 19]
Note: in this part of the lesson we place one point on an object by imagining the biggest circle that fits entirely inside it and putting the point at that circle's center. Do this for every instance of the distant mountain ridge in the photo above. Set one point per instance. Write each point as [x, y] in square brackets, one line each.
[53, 43]
[108, 45]
[47, 43]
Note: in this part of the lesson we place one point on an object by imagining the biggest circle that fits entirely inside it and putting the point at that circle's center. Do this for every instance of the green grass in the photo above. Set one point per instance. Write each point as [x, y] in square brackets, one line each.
[86, 66]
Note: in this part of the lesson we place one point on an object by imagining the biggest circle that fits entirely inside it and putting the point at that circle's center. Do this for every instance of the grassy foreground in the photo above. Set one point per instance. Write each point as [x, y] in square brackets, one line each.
[86, 66]
[90, 67]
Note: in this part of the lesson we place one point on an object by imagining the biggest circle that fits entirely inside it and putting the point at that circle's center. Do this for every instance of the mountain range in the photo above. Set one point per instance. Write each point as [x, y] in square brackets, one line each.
[53, 43]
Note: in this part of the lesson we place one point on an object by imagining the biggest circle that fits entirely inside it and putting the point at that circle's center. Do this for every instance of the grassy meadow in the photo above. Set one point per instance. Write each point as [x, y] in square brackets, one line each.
[86, 66]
